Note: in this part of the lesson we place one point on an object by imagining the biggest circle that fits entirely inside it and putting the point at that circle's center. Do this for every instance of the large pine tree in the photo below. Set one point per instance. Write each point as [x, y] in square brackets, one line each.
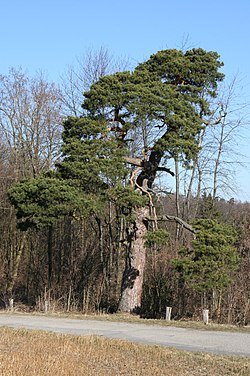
[132, 125]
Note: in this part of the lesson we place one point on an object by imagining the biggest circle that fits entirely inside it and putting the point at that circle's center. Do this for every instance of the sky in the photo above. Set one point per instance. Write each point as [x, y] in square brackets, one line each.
[49, 35]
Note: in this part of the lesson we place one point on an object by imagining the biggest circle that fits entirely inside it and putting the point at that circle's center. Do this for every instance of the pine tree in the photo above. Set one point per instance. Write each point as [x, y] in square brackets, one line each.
[132, 124]
[207, 265]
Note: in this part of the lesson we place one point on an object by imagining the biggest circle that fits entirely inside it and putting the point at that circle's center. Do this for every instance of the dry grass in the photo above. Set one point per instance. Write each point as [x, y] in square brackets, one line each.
[31, 353]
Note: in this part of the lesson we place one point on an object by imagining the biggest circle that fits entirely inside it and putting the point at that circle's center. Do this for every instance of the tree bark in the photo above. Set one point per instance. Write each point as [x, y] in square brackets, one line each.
[132, 282]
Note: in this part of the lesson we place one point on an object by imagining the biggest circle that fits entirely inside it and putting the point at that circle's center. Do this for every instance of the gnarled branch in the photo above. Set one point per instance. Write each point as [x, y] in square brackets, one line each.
[173, 218]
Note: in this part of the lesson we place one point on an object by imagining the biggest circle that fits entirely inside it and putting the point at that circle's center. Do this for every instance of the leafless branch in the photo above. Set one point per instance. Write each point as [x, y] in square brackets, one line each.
[173, 218]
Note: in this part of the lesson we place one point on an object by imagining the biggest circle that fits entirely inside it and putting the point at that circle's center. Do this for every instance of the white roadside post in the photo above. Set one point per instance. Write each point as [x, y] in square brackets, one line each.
[46, 306]
[205, 316]
[11, 305]
[168, 313]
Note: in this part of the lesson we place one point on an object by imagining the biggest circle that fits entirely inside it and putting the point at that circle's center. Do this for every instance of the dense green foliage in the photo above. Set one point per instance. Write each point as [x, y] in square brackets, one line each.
[41, 202]
[182, 85]
[208, 263]
[156, 238]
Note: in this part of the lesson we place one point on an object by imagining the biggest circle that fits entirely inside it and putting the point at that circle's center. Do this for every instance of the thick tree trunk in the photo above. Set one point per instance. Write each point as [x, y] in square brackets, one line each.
[132, 282]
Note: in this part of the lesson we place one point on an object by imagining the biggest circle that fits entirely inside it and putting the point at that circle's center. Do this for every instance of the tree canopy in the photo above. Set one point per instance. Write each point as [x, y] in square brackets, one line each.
[140, 119]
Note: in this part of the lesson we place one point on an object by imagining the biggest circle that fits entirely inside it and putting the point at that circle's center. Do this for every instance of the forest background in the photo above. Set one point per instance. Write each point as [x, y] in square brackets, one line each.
[79, 265]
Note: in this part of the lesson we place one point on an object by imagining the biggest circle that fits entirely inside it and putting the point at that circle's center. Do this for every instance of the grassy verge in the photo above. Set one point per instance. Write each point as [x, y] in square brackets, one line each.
[31, 353]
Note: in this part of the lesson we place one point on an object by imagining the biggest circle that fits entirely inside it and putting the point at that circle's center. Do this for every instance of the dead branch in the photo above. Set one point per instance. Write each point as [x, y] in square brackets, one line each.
[222, 114]
[173, 218]
[134, 161]
[165, 169]
[133, 176]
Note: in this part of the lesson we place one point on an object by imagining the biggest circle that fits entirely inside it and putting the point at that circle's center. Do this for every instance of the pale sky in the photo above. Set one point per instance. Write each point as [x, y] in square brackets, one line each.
[48, 35]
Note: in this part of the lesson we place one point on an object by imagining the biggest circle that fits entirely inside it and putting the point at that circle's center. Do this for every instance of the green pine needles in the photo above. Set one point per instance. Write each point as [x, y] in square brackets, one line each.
[211, 259]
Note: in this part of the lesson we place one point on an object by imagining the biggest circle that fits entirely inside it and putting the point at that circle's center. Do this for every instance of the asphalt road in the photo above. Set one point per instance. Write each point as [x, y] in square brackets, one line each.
[228, 343]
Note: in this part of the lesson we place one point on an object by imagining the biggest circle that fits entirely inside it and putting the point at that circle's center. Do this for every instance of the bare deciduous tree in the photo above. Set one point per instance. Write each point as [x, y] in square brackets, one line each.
[87, 70]
[213, 170]
[30, 122]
